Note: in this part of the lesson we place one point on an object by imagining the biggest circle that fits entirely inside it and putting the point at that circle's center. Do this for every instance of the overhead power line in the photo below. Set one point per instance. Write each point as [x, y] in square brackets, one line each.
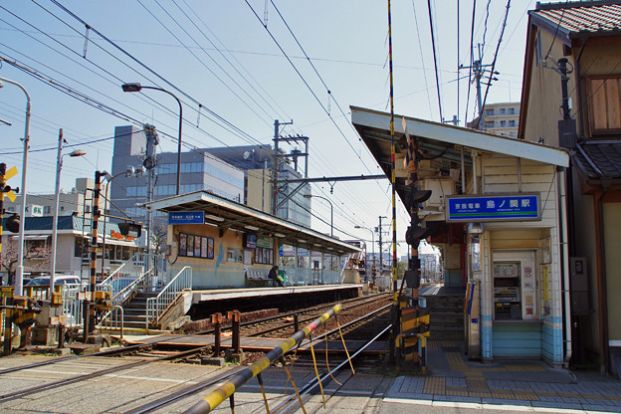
[435, 59]
[198, 104]
[502, 31]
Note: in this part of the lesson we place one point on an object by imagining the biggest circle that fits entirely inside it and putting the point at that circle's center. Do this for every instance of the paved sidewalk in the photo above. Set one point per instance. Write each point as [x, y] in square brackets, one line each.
[526, 384]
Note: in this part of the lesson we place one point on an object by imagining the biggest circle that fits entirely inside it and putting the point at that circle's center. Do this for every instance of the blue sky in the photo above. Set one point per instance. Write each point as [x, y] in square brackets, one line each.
[253, 85]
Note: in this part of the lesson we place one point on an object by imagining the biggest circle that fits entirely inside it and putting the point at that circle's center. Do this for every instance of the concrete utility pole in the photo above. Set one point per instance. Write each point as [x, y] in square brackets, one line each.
[149, 164]
[478, 70]
[381, 259]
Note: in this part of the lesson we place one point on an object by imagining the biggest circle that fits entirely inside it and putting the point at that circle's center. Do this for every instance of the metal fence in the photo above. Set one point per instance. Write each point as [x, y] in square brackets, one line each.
[157, 306]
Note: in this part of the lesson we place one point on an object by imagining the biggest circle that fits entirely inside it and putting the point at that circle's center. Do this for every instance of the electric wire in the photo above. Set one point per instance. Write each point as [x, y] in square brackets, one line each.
[493, 67]
[474, 10]
[435, 60]
[202, 62]
[247, 77]
[420, 51]
[217, 116]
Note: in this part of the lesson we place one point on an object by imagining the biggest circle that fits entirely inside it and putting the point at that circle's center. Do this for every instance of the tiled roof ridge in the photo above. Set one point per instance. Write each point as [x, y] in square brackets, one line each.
[575, 4]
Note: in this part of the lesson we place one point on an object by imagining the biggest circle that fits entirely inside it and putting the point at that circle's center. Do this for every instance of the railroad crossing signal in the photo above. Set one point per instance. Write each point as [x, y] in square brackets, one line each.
[6, 190]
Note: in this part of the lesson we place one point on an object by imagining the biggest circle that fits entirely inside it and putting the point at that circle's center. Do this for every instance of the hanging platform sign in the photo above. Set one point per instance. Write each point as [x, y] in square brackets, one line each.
[506, 207]
[186, 217]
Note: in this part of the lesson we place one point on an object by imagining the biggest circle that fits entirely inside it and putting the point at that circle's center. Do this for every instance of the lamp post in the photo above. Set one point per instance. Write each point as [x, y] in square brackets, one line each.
[372, 244]
[59, 166]
[331, 211]
[19, 277]
[137, 87]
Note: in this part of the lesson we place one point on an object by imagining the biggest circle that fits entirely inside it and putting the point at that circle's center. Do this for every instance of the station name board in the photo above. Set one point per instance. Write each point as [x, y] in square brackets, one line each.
[506, 207]
[186, 217]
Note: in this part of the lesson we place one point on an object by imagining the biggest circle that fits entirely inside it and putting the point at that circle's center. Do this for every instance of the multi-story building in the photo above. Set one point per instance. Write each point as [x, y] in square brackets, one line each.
[502, 118]
[256, 162]
[200, 170]
[76, 202]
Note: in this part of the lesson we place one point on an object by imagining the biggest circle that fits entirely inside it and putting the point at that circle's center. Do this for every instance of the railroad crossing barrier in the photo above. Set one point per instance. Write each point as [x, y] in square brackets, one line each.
[227, 389]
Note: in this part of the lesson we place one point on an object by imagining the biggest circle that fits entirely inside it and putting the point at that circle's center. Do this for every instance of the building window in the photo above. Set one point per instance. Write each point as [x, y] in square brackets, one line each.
[512, 123]
[489, 124]
[604, 104]
[47, 210]
[502, 111]
[511, 111]
[489, 111]
[503, 123]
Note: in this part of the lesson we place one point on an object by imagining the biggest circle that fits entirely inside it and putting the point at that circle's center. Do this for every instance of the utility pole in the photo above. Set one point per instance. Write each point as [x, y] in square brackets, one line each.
[479, 70]
[381, 252]
[89, 304]
[276, 163]
[149, 164]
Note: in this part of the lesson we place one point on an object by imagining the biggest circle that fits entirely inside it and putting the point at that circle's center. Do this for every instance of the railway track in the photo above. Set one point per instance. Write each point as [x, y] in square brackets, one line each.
[350, 319]
[348, 326]
[277, 321]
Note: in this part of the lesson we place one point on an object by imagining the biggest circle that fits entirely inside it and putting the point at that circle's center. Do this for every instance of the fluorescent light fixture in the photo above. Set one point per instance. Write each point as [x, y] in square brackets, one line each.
[253, 228]
[214, 218]
[316, 244]
[330, 248]
[302, 241]
[279, 235]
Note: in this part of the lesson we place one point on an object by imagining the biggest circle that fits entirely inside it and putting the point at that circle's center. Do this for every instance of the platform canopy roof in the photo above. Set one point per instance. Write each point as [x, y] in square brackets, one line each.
[441, 141]
[228, 214]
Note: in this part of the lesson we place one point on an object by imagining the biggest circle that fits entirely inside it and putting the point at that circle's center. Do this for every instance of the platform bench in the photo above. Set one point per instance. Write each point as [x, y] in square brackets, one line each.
[257, 278]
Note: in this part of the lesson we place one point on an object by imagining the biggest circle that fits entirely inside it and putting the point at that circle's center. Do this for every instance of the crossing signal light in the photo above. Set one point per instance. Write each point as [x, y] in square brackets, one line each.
[12, 223]
[130, 229]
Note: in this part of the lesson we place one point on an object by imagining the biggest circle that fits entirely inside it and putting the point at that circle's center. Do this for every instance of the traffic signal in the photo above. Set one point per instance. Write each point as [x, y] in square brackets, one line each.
[130, 229]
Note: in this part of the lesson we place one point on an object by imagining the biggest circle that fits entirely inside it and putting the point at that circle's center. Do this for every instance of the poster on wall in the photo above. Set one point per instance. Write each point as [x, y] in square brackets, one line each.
[209, 248]
[251, 240]
[204, 247]
[197, 246]
[190, 245]
[182, 244]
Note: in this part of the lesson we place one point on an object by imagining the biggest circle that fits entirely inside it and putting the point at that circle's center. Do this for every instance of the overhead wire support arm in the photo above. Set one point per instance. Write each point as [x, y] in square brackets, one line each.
[333, 179]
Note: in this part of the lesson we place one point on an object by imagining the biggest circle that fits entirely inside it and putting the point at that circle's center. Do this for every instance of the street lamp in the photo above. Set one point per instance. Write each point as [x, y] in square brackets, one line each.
[372, 244]
[331, 211]
[137, 87]
[19, 277]
[59, 166]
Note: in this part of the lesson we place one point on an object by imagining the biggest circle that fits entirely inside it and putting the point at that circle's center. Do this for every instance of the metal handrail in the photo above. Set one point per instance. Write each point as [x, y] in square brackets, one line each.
[157, 305]
[124, 294]
[117, 272]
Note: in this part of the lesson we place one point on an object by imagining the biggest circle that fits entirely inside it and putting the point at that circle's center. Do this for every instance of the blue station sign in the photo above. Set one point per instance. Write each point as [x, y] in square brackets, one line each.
[512, 207]
[186, 217]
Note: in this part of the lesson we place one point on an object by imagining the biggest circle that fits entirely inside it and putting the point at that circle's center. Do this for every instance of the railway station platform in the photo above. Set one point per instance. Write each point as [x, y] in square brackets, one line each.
[206, 302]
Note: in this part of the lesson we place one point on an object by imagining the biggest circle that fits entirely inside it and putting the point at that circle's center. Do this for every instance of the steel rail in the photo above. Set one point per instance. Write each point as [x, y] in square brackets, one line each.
[57, 384]
[109, 352]
[290, 324]
[169, 399]
[130, 348]
[226, 389]
[314, 383]
[291, 313]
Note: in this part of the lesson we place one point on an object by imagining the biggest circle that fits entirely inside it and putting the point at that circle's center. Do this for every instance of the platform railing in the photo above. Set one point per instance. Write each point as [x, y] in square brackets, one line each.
[72, 305]
[111, 319]
[158, 305]
[132, 268]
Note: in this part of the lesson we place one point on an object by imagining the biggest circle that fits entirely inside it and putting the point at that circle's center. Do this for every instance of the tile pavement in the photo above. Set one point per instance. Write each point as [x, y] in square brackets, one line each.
[528, 384]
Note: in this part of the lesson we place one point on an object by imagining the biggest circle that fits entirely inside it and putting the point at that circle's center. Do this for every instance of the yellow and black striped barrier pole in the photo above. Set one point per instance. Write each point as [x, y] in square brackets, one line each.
[226, 389]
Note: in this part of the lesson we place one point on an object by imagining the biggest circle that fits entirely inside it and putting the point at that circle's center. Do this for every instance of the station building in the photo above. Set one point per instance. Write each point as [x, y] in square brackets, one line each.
[497, 213]
[231, 245]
